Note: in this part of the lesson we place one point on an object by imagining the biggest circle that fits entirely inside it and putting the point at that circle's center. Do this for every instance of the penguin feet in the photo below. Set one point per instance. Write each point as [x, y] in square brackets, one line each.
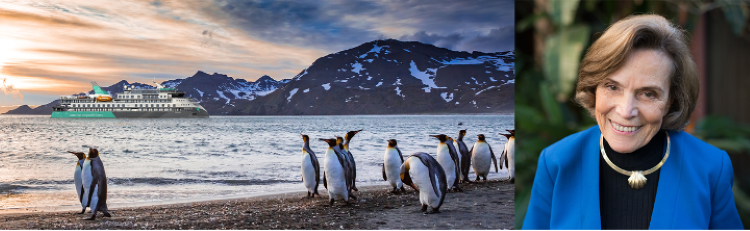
[106, 214]
[355, 188]
[424, 209]
[353, 197]
[457, 189]
[92, 217]
[82, 211]
[331, 204]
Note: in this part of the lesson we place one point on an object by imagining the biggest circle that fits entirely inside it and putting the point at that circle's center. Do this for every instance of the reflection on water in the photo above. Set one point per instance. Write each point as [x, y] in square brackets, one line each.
[150, 160]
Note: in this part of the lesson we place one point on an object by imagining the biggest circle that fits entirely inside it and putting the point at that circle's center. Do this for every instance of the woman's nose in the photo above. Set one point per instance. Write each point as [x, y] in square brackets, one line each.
[627, 107]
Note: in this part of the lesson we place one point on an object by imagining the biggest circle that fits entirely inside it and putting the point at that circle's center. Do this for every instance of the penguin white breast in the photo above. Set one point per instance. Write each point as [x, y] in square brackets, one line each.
[510, 148]
[86, 175]
[446, 162]
[335, 177]
[77, 179]
[481, 158]
[420, 175]
[308, 172]
[392, 166]
[455, 144]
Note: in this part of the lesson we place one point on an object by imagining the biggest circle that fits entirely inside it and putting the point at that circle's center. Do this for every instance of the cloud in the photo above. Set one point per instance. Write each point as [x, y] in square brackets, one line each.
[46, 20]
[9, 89]
[448, 41]
[332, 26]
[500, 39]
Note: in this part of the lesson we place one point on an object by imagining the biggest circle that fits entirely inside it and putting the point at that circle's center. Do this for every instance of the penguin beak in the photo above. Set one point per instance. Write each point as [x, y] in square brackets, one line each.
[436, 136]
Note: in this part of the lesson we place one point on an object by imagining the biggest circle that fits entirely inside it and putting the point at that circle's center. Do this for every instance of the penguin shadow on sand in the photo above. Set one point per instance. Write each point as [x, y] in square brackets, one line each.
[91, 183]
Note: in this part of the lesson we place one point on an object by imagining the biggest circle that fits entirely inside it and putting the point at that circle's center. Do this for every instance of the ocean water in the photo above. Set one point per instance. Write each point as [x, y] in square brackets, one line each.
[163, 160]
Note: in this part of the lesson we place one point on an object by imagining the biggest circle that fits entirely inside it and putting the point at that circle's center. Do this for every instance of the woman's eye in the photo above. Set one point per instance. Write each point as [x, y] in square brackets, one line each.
[649, 94]
[612, 87]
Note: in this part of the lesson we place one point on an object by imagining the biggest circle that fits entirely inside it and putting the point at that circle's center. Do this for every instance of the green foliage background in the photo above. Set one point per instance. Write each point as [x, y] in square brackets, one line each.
[552, 36]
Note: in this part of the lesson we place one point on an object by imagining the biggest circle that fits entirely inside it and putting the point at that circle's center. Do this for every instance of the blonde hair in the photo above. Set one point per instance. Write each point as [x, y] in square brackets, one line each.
[642, 32]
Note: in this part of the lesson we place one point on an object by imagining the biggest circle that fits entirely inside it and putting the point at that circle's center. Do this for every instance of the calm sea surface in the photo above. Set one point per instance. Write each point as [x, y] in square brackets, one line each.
[162, 160]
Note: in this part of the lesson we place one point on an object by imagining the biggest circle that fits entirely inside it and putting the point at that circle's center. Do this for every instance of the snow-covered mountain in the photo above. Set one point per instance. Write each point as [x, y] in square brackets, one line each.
[391, 76]
[378, 77]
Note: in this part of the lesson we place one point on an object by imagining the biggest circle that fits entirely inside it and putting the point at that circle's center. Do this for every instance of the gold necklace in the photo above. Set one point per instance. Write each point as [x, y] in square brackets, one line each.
[637, 178]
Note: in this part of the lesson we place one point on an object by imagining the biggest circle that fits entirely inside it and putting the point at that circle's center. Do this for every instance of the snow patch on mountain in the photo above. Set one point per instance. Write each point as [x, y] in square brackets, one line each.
[447, 96]
[426, 77]
[480, 92]
[326, 86]
[199, 92]
[291, 93]
[221, 95]
[357, 67]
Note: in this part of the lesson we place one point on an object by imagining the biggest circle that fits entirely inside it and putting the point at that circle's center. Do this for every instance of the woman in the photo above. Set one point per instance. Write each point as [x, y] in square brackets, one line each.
[637, 169]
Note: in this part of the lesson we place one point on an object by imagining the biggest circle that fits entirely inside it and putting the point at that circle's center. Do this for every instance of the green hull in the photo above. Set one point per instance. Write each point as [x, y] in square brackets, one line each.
[82, 114]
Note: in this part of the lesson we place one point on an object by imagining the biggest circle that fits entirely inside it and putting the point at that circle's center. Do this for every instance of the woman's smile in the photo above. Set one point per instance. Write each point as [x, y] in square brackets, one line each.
[622, 129]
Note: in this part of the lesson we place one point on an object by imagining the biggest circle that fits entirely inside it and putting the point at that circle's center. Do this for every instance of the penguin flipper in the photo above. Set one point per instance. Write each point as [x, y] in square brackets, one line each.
[80, 196]
[400, 155]
[325, 182]
[503, 159]
[492, 155]
[384, 177]
[316, 166]
[433, 170]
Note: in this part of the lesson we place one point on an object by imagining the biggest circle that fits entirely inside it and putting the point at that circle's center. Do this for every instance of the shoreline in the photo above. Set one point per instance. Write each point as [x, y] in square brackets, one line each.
[481, 206]
[245, 196]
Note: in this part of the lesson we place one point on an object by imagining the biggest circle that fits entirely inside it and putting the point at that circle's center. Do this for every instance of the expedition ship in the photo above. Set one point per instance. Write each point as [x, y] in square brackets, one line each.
[131, 103]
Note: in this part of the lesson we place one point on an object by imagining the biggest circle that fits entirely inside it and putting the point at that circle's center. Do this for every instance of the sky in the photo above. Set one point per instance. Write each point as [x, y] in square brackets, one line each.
[53, 48]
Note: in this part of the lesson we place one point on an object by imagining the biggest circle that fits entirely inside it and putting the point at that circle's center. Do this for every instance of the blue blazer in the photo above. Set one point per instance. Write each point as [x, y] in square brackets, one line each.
[694, 191]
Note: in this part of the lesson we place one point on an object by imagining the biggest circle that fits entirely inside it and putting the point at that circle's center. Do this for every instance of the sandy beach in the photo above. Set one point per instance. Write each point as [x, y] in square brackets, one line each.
[481, 206]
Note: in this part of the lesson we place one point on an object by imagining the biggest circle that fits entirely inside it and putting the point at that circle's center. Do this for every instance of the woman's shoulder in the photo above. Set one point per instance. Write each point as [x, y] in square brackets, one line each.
[698, 152]
[570, 147]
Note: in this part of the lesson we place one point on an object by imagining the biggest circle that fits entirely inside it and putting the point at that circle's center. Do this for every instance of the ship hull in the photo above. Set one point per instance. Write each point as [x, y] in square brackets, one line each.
[130, 114]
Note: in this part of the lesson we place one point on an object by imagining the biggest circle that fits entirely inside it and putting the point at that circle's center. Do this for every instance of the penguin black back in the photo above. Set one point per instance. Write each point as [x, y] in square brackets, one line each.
[439, 185]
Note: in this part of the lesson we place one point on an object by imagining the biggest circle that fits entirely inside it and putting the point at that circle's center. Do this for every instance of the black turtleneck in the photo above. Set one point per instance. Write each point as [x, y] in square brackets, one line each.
[623, 207]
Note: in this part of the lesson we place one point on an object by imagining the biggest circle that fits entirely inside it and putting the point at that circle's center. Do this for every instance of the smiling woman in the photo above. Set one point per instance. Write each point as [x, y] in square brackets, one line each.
[637, 169]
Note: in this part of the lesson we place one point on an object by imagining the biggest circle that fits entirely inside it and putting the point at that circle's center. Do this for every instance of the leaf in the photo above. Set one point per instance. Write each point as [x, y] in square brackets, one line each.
[562, 57]
[551, 108]
[529, 21]
[562, 12]
[735, 14]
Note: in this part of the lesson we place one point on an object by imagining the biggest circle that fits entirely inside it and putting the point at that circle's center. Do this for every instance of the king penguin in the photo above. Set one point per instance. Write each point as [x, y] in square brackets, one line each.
[347, 139]
[464, 156]
[482, 157]
[456, 186]
[336, 173]
[77, 177]
[448, 158]
[508, 155]
[310, 169]
[428, 177]
[94, 182]
[392, 161]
